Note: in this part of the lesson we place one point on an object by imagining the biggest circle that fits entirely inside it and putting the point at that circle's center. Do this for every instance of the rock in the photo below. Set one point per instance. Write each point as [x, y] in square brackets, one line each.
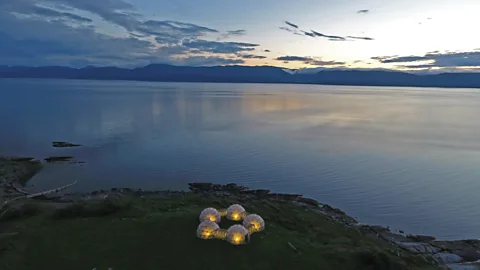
[308, 201]
[473, 242]
[469, 250]
[18, 170]
[259, 193]
[328, 208]
[284, 197]
[200, 186]
[469, 254]
[392, 237]
[234, 187]
[421, 238]
[209, 187]
[464, 266]
[76, 162]
[21, 159]
[418, 247]
[447, 258]
[379, 228]
[58, 158]
[64, 144]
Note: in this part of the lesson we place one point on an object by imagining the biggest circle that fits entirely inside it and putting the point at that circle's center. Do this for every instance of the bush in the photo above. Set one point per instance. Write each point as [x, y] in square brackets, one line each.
[104, 208]
[19, 211]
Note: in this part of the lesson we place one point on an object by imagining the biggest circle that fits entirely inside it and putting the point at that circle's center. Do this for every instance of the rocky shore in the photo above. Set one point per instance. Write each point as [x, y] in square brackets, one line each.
[461, 254]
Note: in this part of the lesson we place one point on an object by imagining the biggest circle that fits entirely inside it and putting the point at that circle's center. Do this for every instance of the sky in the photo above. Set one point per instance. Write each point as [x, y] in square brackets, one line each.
[407, 35]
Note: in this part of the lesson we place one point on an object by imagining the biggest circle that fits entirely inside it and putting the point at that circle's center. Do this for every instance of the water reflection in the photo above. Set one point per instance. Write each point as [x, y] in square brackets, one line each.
[402, 157]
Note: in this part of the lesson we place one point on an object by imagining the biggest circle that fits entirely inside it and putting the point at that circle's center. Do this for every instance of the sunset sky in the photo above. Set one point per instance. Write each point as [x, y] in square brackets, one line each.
[394, 34]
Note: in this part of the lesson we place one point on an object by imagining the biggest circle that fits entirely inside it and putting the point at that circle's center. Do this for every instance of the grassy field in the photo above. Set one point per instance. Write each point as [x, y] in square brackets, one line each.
[148, 233]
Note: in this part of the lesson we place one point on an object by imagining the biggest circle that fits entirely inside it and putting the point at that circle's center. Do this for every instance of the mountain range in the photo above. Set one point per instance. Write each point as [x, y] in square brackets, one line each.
[245, 74]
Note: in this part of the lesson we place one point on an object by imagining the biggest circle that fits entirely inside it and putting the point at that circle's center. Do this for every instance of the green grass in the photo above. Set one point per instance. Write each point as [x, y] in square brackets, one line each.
[140, 233]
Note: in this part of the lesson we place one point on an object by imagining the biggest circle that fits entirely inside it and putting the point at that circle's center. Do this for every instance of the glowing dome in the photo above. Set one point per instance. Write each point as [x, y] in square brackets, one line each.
[210, 214]
[235, 212]
[237, 234]
[206, 230]
[254, 223]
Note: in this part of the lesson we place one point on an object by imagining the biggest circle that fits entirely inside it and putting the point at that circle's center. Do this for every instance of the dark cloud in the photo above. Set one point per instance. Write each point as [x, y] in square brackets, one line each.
[172, 31]
[363, 11]
[209, 61]
[326, 63]
[297, 31]
[308, 34]
[220, 47]
[291, 24]
[418, 66]
[58, 14]
[362, 38]
[236, 33]
[328, 36]
[381, 58]
[61, 32]
[309, 60]
[240, 32]
[436, 59]
[29, 9]
[233, 33]
[291, 30]
[293, 58]
[266, 50]
[251, 56]
[399, 59]
[286, 29]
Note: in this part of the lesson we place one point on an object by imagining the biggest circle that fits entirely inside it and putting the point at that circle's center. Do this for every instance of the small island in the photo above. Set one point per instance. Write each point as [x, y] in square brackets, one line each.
[64, 144]
[124, 228]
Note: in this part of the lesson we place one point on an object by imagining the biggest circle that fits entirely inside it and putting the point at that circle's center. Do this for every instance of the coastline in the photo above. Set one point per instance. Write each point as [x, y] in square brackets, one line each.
[460, 254]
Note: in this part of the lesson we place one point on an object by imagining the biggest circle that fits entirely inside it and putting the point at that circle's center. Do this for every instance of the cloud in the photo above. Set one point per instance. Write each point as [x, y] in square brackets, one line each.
[309, 60]
[66, 32]
[309, 34]
[363, 38]
[46, 12]
[29, 9]
[220, 47]
[172, 31]
[294, 31]
[293, 58]
[314, 34]
[435, 59]
[251, 56]
[291, 24]
[266, 50]
[363, 11]
[209, 61]
[381, 58]
[401, 59]
[233, 33]
[317, 34]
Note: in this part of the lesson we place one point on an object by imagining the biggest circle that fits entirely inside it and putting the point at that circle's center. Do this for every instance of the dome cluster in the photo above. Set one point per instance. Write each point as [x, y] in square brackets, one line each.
[236, 234]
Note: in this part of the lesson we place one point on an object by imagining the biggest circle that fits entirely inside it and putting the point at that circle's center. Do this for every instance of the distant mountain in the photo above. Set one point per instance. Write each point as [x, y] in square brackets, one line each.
[246, 74]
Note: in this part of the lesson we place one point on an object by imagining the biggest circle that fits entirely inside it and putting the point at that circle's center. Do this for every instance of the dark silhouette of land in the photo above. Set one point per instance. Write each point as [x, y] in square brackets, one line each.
[245, 74]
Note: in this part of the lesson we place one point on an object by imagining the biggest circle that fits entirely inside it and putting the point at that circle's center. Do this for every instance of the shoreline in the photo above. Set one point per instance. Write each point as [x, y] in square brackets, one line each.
[457, 254]
[252, 82]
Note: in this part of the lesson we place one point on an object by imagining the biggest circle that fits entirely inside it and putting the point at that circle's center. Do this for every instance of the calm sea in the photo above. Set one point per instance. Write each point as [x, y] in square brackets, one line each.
[404, 157]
